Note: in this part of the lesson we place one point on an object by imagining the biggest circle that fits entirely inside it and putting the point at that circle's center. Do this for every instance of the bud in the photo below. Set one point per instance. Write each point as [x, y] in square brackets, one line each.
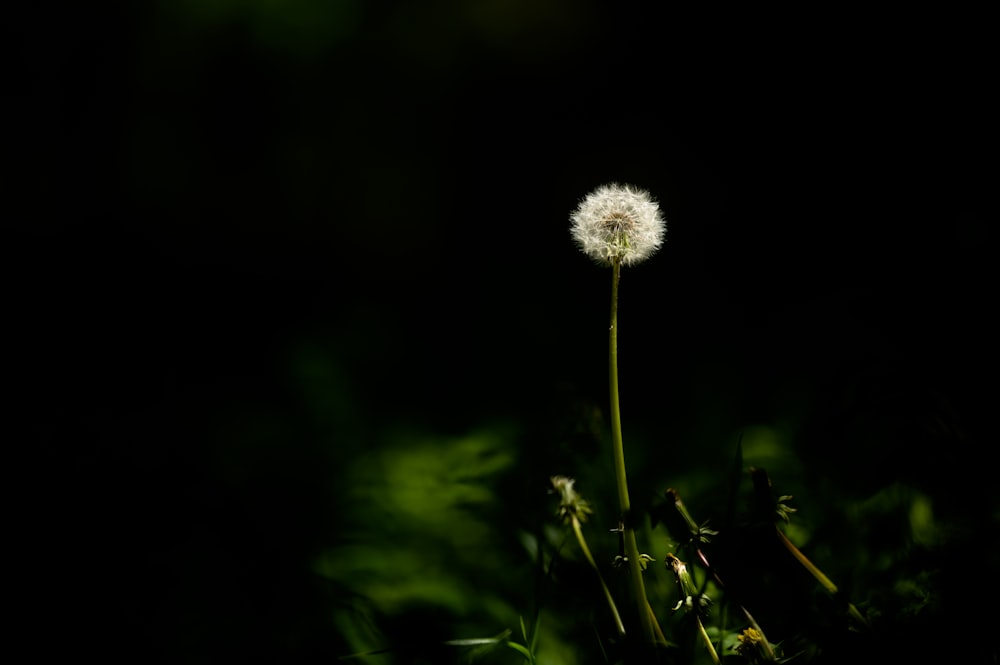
[618, 223]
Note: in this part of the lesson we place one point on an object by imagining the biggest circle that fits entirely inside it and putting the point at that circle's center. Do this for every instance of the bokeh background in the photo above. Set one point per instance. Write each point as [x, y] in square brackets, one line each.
[299, 332]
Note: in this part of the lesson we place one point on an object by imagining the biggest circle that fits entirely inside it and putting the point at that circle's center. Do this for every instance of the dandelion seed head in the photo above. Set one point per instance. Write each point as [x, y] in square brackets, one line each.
[618, 222]
[571, 504]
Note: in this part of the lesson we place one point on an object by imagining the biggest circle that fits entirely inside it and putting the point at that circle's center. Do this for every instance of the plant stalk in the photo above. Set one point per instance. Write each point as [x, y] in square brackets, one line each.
[631, 547]
[604, 587]
[824, 581]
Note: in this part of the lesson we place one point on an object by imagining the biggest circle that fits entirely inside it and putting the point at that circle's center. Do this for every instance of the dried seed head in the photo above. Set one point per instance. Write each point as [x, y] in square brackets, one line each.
[571, 504]
[618, 223]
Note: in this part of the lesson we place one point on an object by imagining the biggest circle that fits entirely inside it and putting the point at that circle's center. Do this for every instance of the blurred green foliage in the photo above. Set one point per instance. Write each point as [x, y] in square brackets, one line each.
[421, 552]
[305, 28]
[417, 515]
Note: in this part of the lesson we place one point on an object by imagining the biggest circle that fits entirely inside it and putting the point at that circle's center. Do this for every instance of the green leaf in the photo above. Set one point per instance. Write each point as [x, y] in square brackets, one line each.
[521, 650]
[479, 641]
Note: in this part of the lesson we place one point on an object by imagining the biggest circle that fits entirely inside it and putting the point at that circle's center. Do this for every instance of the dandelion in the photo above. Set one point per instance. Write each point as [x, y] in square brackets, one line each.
[574, 509]
[571, 504]
[754, 647]
[618, 224]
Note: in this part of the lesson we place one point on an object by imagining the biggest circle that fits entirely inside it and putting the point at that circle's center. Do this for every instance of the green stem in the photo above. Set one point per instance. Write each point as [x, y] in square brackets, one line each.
[824, 581]
[708, 641]
[631, 548]
[607, 592]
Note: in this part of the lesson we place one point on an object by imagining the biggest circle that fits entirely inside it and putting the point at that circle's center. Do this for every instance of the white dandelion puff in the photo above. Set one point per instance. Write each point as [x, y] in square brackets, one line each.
[618, 223]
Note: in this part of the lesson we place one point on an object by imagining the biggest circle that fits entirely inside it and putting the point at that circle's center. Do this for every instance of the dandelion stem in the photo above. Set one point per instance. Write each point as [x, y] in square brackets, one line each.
[631, 548]
[824, 581]
[656, 625]
[590, 558]
[708, 641]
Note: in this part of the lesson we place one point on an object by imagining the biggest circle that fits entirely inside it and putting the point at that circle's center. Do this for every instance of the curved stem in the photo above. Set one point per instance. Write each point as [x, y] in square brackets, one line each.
[607, 592]
[631, 548]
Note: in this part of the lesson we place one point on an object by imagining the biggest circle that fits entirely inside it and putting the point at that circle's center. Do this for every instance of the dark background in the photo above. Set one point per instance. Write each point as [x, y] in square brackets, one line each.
[244, 240]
